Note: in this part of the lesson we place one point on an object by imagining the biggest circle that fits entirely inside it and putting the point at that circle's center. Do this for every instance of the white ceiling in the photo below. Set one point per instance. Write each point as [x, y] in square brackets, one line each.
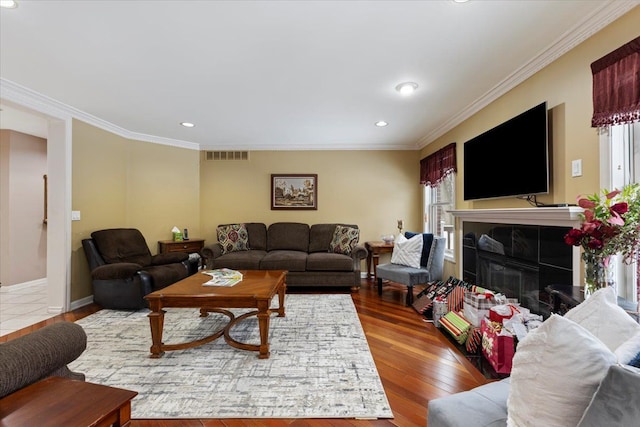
[292, 75]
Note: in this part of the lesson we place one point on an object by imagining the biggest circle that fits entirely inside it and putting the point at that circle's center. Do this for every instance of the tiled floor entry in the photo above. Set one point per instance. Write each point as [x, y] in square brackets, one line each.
[22, 306]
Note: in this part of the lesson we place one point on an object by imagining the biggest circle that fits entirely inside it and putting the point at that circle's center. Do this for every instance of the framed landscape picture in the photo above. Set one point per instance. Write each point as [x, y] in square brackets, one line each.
[294, 191]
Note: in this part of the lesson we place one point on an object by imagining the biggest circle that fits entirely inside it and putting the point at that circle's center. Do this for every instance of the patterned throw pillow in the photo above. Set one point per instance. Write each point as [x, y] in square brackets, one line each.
[233, 237]
[427, 241]
[344, 240]
[407, 251]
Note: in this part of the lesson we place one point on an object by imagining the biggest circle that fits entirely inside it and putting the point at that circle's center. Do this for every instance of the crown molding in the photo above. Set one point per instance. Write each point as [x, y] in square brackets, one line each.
[590, 25]
[26, 97]
[15, 93]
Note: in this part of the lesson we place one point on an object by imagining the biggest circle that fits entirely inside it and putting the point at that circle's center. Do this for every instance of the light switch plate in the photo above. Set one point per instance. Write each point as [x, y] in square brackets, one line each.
[75, 215]
[576, 168]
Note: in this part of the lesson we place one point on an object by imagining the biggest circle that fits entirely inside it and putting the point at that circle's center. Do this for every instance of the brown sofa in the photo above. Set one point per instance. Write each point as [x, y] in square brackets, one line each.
[308, 253]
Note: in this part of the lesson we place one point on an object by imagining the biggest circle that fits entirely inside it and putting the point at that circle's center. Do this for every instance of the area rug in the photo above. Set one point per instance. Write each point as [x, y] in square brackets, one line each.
[320, 364]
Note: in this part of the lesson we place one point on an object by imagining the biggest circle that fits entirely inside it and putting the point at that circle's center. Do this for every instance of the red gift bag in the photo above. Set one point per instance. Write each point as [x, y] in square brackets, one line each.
[498, 346]
[502, 312]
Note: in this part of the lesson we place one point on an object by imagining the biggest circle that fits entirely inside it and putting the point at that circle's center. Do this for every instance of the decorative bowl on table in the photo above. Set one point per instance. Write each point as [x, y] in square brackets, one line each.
[388, 239]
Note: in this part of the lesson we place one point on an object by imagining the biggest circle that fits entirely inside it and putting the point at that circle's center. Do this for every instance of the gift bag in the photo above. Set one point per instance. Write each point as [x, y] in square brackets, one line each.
[455, 323]
[498, 346]
[501, 312]
[474, 340]
[439, 310]
[424, 300]
[476, 306]
[452, 289]
[455, 297]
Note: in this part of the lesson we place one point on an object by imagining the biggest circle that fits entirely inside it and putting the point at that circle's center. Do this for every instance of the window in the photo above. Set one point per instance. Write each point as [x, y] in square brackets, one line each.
[620, 158]
[437, 174]
[616, 113]
[438, 201]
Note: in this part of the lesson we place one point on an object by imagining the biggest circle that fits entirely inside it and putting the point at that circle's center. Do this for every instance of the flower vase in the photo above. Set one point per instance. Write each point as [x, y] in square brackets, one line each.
[598, 273]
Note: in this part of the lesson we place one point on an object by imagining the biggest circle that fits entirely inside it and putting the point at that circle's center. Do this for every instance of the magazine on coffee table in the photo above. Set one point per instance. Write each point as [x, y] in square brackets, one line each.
[222, 277]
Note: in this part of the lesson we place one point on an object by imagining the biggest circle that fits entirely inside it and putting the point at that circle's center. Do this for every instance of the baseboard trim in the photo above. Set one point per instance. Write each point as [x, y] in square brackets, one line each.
[54, 310]
[81, 302]
[20, 286]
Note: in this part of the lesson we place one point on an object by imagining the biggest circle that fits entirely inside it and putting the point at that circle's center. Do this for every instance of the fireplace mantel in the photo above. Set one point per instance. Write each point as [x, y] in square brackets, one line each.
[546, 216]
[561, 217]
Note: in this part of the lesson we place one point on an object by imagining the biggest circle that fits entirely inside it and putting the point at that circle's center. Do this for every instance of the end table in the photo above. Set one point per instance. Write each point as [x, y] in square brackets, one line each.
[57, 401]
[374, 250]
[188, 246]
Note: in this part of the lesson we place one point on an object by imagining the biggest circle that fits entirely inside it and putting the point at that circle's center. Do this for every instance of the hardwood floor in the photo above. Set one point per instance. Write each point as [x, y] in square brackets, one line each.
[415, 361]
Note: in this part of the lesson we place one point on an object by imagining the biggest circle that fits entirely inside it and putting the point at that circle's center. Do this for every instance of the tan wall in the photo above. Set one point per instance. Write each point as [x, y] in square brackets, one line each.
[118, 182]
[372, 189]
[23, 235]
[154, 187]
[566, 86]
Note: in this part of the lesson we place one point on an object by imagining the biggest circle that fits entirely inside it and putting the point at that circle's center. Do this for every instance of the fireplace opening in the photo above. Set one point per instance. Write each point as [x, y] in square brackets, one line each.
[518, 261]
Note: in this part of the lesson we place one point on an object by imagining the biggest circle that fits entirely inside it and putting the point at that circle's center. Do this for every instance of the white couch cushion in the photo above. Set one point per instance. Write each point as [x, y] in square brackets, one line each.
[556, 370]
[601, 315]
[629, 350]
[615, 404]
[485, 405]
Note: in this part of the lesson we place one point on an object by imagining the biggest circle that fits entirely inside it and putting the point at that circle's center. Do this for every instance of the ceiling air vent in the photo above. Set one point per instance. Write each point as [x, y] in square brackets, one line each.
[227, 155]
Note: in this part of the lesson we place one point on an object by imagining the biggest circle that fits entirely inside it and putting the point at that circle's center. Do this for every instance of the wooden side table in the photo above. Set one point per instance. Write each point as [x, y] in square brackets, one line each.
[189, 246]
[374, 250]
[57, 401]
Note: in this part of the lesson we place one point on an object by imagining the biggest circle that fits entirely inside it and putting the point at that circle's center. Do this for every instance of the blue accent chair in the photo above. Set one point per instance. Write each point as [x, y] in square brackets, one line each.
[431, 266]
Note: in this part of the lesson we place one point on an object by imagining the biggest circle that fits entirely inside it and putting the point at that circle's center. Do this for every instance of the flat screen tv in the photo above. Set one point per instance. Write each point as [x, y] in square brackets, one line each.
[510, 160]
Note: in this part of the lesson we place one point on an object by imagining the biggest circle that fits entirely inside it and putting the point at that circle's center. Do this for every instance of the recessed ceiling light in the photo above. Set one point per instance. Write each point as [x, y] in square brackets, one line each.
[407, 88]
[460, 1]
[8, 4]
[187, 124]
[381, 123]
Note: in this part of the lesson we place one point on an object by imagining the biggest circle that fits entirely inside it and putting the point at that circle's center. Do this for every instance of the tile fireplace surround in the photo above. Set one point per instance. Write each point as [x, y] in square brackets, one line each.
[518, 251]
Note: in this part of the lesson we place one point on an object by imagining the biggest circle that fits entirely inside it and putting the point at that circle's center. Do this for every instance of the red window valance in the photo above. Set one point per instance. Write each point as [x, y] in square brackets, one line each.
[616, 86]
[435, 167]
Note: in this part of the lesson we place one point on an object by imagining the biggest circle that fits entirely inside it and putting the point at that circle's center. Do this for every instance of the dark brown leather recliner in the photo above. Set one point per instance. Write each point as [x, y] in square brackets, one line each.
[123, 270]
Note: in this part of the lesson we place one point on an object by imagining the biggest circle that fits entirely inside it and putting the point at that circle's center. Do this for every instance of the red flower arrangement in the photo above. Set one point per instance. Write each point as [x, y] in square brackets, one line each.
[610, 226]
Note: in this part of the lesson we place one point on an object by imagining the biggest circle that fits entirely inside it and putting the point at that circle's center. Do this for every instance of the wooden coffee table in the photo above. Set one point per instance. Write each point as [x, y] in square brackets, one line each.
[256, 290]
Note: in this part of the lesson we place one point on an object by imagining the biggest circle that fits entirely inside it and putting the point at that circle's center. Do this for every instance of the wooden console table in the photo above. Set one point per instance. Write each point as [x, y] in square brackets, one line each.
[374, 249]
[57, 401]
